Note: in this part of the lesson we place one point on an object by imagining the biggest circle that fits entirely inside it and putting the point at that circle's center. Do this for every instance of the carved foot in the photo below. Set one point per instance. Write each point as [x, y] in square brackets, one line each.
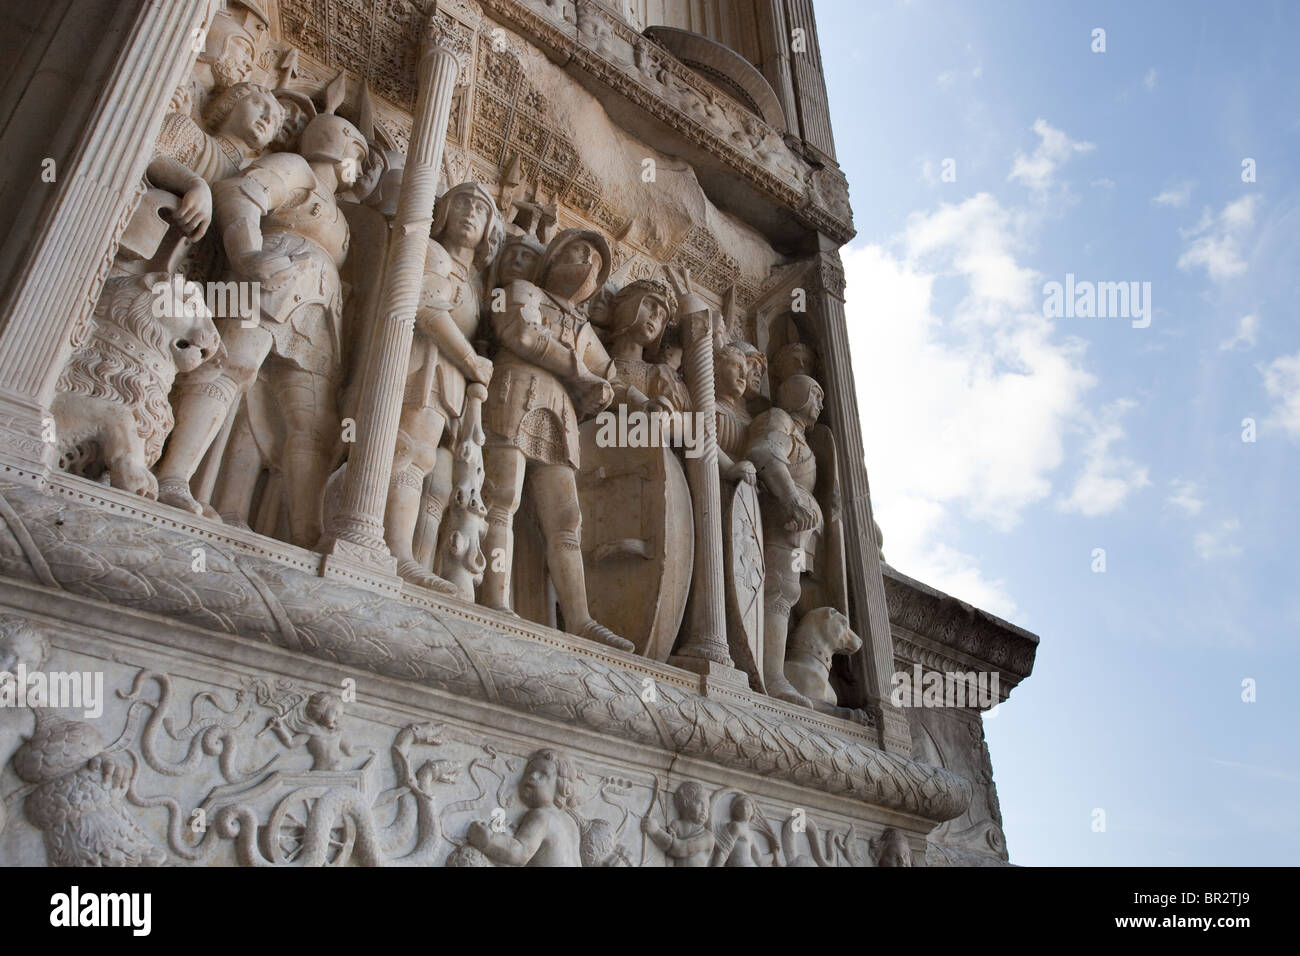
[594, 631]
[176, 492]
[416, 574]
[784, 690]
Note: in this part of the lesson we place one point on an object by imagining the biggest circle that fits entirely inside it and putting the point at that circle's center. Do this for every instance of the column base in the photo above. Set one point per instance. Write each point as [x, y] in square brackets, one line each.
[357, 564]
[711, 671]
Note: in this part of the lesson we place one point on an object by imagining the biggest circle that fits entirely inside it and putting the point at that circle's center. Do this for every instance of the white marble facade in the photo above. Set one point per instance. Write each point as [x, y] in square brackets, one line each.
[428, 438]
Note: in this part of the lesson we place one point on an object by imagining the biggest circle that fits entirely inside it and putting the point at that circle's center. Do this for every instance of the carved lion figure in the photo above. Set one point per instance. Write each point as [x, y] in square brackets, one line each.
[111, 412]
[821, 635]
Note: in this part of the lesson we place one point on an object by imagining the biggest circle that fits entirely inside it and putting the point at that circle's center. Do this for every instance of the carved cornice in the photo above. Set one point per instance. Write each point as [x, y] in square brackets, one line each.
[89, 546]
[953, 635]
[821, 204]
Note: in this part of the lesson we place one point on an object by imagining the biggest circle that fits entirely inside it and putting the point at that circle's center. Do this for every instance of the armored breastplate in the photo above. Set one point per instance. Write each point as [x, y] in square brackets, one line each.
[313, 216]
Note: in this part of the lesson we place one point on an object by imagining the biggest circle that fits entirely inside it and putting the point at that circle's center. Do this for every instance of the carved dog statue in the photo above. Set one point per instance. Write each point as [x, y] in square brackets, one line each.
[111, 411]
[823, 633]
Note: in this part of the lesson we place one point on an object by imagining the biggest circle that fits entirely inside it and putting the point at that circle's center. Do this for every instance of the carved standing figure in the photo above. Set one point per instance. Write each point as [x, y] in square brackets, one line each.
[282, 227]
[187, 159]
[466, 233]
[640, 315]
[551, 372]
[787, 469]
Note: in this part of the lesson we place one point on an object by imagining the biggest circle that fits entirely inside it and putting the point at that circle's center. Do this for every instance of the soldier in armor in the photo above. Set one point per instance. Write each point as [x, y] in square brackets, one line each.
[466, 232]
[282, 228]
[640, 314]
[518, 259]
[551, 372]
[787, 469]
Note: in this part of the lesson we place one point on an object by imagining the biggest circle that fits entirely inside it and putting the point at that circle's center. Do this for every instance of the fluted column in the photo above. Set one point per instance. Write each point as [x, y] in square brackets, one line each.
[357, 530]
[870, 613]
[706, 637]
[55, 290]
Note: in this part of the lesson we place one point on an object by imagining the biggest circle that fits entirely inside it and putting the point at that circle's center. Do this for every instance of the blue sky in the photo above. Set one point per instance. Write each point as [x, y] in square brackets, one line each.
[1004, 447]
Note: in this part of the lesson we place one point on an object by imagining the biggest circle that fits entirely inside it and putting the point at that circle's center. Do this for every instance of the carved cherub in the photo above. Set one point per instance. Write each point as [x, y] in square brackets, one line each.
[547, 835]
[737, 841]
[688, 840]
[890, 849]
[318, 726]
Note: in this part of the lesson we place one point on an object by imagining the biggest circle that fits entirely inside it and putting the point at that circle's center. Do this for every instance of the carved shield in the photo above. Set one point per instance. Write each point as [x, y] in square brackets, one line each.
[742, 532]
[638, 541]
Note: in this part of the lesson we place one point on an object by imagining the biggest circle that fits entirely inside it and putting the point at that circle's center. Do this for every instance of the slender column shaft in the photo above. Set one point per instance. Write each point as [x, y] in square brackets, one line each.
[357, 530]
[707, 637]
[56, 289]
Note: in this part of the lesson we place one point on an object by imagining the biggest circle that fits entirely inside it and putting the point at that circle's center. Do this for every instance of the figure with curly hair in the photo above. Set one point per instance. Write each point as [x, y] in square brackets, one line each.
[547, 835]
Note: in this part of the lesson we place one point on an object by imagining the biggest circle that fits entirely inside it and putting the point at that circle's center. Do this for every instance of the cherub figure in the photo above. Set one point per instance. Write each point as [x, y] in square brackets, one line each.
[737, 843]
[320, 727]
[547, 835]
[687, 841]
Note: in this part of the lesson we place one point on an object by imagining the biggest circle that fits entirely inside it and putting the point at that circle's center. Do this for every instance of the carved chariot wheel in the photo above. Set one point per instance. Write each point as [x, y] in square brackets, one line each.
[287, 832]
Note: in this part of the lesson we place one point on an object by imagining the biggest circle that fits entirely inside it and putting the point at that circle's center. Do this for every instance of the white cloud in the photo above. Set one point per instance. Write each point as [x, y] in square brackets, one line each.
[1054, 149]
[1217, 242]
[965, 407]
[1246, 336]
[1282, 382]
[1185, 496]
[1107, 478]
[1149, 81]
[1103, 182]
[1210, 545]
[1174, 195]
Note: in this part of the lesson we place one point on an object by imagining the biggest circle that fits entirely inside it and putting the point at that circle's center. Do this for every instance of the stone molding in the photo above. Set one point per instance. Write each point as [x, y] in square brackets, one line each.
[938, 631]
[75, 539]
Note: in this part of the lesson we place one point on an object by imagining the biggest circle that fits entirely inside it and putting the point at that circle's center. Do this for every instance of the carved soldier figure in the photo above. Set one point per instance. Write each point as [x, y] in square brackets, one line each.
[466, 233]
[229, 54]
[518, 259]
[551, 371]
[188, 160]
[282, 227]
[787, 469]
[730, 385]
[640, 315]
